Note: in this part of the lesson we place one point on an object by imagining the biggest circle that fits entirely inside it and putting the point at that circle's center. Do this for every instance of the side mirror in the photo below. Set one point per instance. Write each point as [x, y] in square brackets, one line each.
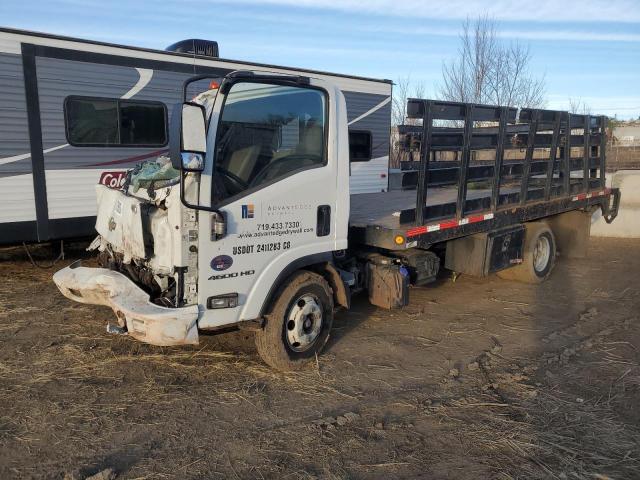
[192, 162]
[189, 137]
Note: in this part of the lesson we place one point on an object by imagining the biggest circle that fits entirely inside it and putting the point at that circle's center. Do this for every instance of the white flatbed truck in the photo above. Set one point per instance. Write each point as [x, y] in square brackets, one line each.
[260, 230]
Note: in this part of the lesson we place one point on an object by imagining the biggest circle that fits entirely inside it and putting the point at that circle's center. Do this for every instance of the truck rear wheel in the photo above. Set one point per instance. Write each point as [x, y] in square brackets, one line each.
[298, 323]
[538, 258]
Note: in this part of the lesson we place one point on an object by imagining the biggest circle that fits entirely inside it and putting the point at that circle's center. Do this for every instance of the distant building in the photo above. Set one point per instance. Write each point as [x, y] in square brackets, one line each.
[627, 134]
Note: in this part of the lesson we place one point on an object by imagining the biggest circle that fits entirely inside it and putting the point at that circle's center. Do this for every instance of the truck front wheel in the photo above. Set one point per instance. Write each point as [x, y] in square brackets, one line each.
[298, 323]
[539, 255]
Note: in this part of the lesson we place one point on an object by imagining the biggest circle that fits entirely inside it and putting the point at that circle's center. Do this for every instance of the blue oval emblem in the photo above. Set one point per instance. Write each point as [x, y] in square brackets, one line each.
[221, 262]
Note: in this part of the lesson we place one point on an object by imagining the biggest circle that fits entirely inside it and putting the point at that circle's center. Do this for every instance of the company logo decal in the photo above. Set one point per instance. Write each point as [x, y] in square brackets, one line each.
[247, 210]
[113, 179]
[221, 262]
[287, 209]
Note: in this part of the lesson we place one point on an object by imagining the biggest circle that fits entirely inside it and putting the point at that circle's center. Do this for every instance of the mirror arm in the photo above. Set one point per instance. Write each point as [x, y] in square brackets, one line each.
[175, 136]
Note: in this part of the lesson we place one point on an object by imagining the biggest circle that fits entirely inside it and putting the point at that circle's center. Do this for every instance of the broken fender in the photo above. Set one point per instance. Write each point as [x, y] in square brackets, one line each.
[145, 321]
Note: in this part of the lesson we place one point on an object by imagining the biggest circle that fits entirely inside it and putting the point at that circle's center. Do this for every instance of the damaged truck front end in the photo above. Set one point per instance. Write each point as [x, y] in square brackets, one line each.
[147, 250]
[147, 253]
[136, 315]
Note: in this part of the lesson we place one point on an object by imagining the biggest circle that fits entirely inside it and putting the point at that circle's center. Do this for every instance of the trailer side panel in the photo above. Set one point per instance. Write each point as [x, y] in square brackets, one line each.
[18, 212]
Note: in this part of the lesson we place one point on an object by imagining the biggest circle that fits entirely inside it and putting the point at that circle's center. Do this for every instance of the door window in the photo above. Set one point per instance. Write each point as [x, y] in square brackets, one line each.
[266, 133]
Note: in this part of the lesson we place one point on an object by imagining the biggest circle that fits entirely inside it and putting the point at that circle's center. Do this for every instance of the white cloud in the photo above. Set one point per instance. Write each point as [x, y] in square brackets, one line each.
[623, 106]
[320, 23]
[572, 35]
[626, 11]
[326, 51]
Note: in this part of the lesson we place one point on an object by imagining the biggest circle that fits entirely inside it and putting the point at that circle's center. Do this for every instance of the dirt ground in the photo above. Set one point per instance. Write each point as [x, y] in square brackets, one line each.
[478, 378]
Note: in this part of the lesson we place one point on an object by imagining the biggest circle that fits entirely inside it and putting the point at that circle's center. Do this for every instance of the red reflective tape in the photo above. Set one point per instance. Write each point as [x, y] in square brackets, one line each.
[447, 224]
[487, 216]
[585, 196]
[476, 218]
[416, 231]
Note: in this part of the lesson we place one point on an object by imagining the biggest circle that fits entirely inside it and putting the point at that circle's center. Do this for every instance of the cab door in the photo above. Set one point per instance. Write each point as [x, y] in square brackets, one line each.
[277, 169]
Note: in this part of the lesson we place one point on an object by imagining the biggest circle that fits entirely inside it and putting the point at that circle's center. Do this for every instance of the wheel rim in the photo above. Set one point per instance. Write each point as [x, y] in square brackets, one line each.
[304, 323]
[541, 253]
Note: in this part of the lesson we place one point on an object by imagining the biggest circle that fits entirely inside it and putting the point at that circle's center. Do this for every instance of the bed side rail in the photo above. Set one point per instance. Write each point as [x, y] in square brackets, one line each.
[498, 157]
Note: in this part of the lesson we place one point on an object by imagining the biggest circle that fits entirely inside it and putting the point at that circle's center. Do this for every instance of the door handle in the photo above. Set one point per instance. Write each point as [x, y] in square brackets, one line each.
[323, 226]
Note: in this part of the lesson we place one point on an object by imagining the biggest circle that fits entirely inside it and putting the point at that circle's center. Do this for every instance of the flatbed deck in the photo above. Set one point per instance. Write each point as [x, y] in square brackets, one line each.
[561, 167]
[375, 218]
[384, 208]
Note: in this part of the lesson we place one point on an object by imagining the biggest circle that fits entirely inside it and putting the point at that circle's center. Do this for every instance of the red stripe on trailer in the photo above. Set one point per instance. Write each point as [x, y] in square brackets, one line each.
[137, 158]
[416, 231]
[488, 216]
[448, 224]
[585, 196]
[478, 218]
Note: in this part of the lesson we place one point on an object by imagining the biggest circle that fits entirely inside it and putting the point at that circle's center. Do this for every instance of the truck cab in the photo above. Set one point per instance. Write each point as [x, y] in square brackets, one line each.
[263, 193]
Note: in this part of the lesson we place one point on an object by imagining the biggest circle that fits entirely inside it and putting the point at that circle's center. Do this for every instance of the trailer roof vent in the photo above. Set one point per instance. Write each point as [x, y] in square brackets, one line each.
[206, 48]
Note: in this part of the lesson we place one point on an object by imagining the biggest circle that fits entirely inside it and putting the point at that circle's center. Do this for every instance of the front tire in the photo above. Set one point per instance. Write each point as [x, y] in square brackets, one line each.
[298, 323]
[539, 255]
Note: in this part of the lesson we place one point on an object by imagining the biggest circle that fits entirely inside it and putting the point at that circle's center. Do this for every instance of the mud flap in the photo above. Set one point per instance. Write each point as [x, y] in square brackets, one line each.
[610, 211]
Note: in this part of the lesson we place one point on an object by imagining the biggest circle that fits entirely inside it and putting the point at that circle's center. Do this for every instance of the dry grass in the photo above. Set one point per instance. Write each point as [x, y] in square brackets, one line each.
[563, 405]
[536, 428]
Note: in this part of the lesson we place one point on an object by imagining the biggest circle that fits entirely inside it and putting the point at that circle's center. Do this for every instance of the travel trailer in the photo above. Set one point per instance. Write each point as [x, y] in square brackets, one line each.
[75, 113]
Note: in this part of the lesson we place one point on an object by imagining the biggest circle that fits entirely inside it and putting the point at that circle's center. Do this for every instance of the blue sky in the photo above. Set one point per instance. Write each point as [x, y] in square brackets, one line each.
[587, 49]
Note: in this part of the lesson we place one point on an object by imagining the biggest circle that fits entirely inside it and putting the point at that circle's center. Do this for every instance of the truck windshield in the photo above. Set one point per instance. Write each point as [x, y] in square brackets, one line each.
[266, 133]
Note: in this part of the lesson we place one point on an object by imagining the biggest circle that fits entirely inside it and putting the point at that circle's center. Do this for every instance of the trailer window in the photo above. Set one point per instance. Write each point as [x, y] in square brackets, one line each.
[266, 133]
[142, 123]
[359, 146]
[106, 122]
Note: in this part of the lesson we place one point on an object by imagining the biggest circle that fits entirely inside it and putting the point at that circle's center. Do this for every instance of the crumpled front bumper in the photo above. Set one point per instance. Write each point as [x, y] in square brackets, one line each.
[145, 321]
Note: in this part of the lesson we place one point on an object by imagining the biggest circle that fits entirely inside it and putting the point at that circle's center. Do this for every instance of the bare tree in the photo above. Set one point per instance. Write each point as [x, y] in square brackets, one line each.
[404, 89]
[577, 105]
[489, 70]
